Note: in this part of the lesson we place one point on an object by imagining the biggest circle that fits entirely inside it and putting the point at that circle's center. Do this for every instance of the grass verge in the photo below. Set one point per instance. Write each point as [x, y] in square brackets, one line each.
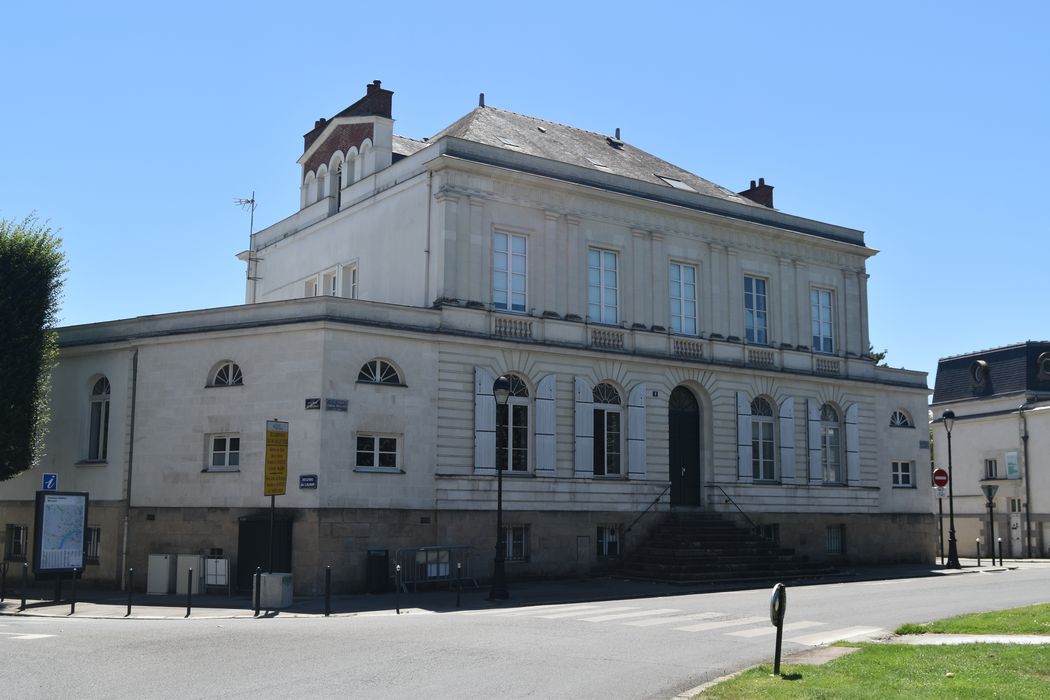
[1017, 672]
[1033, 619]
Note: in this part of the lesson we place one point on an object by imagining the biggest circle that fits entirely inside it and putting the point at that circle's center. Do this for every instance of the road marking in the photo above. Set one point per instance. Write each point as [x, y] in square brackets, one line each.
[530, 610]
[674, 619]
[771, 630]
[19, 635]
[577, 613]
[703, 626]
[839, 635]
[624, 616]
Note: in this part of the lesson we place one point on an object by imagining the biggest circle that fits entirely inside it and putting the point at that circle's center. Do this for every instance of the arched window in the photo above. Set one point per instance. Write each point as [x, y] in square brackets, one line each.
[900, 419]
[512, 428]
[608, 431]
[763, 460]
[378, 372]
[831, 444]
[227, 374]
[98, 438]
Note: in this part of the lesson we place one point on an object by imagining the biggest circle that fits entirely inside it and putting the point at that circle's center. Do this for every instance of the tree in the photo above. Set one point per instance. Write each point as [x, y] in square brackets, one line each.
[31, 269]
[877, 357]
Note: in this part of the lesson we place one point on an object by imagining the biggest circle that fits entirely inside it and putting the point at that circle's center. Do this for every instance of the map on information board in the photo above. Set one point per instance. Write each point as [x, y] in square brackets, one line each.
[61, 521]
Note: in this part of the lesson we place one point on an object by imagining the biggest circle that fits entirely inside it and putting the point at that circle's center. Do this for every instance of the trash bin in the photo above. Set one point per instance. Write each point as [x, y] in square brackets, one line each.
[377, 571]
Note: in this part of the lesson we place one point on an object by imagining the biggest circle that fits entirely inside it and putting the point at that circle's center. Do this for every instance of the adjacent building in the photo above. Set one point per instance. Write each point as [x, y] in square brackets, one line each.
[1000, 438]
[668, 341]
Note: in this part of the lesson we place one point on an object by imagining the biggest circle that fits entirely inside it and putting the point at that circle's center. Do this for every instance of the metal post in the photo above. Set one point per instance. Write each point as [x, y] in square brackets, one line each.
[978, 551]
[25, 583]
[459, 582]
[397, 587]
[1000, 542]
[991, 530]
[131, 585]
[73, 593]
[953, 548]
[501, 393]
[940, 528]
[777, 610]
[3, 581]
[327, 591]
[189, 591]
[258, 586]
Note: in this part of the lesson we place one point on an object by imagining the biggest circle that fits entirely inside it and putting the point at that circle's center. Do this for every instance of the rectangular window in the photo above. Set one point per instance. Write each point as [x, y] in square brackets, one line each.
[1015, 505]
[329, 284]
[836, 539]
[770, 531]
[606, 442]
[763, 462]
[902, 474]
[683, 299]
[516, 542]
[98, 440]
[608, 539]
[991, 469]
[821, 315]
[512, 436]
[378, 451]
[17, 543]
[350, 281]
[93, 544]
[225, 452]
[310, 288]
[755, 310]
[602, 286]
[509, 272]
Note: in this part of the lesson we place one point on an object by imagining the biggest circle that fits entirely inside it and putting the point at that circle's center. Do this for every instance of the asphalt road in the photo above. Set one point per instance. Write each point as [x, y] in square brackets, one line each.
[640, 648]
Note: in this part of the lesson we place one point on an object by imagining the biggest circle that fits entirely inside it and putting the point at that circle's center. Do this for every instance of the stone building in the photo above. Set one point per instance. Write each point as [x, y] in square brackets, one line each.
[668, 341]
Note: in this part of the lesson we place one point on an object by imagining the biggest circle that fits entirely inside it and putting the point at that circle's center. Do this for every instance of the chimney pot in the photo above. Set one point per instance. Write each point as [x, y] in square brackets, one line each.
[617, 133]
[761, 182]
[481, 99]
[752, 184]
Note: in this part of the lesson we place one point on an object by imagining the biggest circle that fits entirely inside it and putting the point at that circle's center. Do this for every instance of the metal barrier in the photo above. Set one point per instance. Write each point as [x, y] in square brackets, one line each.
[439, 564]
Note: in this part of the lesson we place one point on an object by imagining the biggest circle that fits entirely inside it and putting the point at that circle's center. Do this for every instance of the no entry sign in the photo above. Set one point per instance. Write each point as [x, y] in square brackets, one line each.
[940, 477]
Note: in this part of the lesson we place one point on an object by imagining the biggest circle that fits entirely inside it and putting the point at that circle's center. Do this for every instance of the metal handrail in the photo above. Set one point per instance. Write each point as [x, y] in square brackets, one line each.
[647, 509]
[729, 499]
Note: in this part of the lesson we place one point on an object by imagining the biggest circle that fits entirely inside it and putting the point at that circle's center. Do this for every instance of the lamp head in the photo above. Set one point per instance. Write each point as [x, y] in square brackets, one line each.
[949, 419]
[501, 390]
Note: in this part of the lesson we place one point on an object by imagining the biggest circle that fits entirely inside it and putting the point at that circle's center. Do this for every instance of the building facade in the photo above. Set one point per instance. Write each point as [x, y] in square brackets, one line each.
[668, 342]
[1000, 438]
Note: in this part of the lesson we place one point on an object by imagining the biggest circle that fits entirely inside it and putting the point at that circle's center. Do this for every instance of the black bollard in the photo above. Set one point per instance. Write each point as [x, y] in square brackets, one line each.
[25, 583]
[1000, 543]
[327, 591]
[131, 585]
[978, 551]
[258, 585]
[189, 591]
[73, 593]
[459, 582]
[777, 610]
[3, 581]
[397, 588]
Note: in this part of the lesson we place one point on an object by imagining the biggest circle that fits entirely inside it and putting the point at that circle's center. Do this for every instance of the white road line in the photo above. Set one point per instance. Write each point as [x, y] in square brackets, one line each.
[839, 635]
[624, 616]
[703, 626]
[18, 635]
[530, 610]
[577, 613]
[674, 619]
[771, 630]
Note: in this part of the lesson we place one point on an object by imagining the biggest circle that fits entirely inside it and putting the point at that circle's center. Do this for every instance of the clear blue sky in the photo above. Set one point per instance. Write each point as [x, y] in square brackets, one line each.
[133, 126]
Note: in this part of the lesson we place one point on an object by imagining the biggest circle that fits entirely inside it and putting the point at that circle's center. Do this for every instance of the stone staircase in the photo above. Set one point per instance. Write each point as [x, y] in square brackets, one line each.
[701, 547]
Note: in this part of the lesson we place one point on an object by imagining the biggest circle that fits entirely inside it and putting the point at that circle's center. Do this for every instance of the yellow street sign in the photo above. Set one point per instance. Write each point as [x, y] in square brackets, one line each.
[275, 470]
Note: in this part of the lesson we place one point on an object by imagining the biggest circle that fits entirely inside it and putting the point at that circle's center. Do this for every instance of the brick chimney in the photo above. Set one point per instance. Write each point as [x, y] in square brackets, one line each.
[760, 193]
[377, 102]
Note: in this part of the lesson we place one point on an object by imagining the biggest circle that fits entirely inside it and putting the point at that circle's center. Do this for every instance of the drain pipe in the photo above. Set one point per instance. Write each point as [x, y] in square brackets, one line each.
[1027, 482]
[131, 458]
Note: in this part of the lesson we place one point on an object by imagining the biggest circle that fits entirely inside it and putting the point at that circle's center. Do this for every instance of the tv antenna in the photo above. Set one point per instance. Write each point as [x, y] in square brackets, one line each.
[253, 261]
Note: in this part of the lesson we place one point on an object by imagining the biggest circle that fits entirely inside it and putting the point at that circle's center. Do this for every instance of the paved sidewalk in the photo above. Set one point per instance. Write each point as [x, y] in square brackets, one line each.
[102, 603]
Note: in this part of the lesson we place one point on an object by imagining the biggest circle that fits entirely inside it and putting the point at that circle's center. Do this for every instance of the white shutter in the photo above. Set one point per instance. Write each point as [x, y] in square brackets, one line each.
[852, 447]
[584, 428]
[787, 440]
[816, 470]
[484, 422]
[545, 453]
[636, 468]
[743, 436]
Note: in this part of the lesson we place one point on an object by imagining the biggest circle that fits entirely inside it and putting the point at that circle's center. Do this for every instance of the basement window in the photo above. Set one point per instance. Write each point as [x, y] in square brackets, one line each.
[675, 183]
[836, 540]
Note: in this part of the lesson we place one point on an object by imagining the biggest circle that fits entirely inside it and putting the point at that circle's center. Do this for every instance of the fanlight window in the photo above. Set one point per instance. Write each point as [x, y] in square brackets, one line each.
[606, 393]
[228, 374]
[899, 419]
[379, 372]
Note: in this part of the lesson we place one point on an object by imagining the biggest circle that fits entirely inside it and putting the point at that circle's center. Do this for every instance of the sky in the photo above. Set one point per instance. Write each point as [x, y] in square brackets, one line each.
[132, 127]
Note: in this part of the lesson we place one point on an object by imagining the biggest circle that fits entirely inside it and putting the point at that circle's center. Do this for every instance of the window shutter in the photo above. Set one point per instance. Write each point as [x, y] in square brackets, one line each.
[816, 470]
[484, 422]
[852, 446]
[787, 440]
[584, 428]
[545, 453]
[636, 468]
[743, 436]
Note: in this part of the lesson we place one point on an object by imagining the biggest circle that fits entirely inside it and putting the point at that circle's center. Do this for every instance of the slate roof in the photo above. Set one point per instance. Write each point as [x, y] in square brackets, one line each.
[537, 137]
[1012, 369]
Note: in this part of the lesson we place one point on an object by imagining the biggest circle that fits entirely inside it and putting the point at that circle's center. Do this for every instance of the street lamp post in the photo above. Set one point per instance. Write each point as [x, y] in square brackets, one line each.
[501, 390]
[989, 493]
[953, 549]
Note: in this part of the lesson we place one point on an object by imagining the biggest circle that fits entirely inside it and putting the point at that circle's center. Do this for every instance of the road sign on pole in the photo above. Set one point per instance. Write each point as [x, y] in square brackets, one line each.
[940, 477]
[275, 470]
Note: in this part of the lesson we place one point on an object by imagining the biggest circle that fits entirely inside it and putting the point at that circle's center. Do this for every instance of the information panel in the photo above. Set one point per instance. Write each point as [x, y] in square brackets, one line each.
[61, 525]
[275, 473]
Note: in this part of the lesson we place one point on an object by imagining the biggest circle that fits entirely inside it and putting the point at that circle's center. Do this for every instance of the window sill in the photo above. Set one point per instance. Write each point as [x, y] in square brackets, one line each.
[904, 486]
[223, 386]
[92, 463]
[766, 482]
[395, 384]
[379, 470]
[220, 470]
[610, 477]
